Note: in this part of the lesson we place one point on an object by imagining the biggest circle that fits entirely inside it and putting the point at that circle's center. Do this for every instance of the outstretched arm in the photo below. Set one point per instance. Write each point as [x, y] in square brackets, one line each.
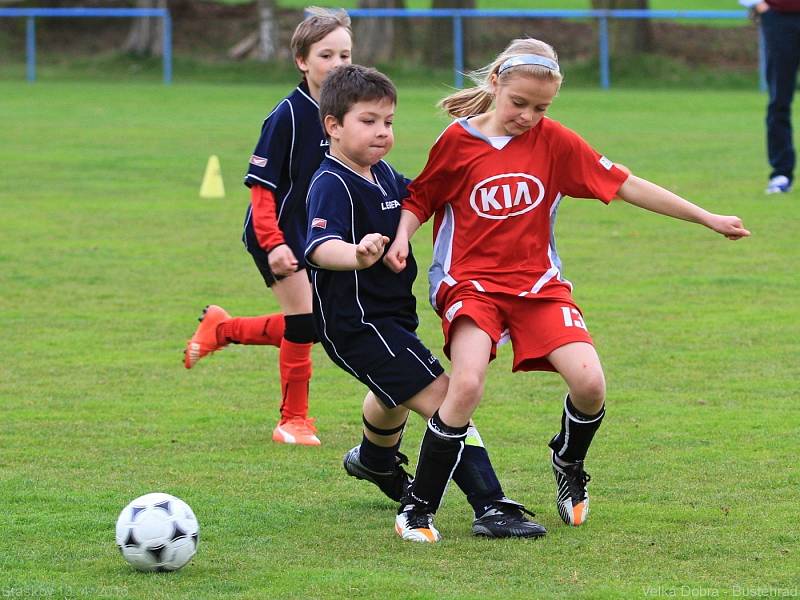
[338, 255]
[396, 256]
[652, 197]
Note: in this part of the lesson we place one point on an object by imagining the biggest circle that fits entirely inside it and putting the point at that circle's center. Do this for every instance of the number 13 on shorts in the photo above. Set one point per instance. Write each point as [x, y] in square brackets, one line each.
[572, 317]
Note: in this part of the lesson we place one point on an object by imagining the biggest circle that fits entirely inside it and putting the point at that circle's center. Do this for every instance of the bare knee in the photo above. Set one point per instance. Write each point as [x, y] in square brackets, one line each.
[467, 385]
[464, 393]
[588, 394]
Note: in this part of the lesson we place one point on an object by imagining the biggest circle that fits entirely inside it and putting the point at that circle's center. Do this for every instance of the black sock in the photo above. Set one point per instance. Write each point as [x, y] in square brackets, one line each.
[577, 430]
[475, 474]
[441, 450]
[377, 458]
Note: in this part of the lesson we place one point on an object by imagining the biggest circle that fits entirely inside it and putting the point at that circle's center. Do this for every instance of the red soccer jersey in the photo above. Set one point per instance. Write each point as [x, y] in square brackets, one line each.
[495, 209]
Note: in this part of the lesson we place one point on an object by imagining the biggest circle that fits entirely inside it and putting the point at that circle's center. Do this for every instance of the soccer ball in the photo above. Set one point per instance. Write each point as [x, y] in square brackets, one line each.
[157, 532]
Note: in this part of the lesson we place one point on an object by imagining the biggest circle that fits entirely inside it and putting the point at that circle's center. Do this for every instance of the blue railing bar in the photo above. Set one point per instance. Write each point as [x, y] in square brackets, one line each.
[456, 12]
[458, 52]
[602, 16]
[30, 31]
[636, 13]
[30, 49]
[167, 49]
[552, 13]
[83, 12]
[605, 71]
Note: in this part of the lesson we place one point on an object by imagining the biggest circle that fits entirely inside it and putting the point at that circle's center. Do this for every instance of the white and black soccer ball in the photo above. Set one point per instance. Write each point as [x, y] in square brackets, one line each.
[157, 532]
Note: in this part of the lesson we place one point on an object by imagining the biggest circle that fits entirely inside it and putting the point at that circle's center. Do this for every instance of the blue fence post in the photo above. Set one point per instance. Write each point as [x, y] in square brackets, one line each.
[167, 49]
[605, 70]
[458, 50]
[30, 48]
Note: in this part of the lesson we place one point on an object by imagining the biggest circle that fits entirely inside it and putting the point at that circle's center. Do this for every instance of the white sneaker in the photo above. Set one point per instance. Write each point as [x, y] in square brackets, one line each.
[415, 526]
[779, 184]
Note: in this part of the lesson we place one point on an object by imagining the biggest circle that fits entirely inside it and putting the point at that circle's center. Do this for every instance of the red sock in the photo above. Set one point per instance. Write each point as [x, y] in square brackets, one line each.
[295, 366]
[266, 330]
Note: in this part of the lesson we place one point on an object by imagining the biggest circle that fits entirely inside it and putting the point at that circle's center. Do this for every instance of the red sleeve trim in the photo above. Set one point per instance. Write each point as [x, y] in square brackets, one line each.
[265, 223]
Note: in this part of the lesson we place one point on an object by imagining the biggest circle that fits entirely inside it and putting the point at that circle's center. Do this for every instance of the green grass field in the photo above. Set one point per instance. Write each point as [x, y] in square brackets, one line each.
[108, 255]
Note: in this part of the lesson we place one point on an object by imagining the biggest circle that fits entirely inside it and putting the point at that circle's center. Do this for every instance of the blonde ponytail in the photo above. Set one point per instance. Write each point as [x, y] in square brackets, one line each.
[463, 103]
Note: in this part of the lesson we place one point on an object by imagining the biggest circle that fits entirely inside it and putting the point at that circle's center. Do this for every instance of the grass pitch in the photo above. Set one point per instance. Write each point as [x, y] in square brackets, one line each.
[108, 255]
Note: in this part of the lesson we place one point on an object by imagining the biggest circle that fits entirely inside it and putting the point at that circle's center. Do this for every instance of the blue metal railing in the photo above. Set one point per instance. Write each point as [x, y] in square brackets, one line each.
[457, 16]
[31, 14]
[601, 15]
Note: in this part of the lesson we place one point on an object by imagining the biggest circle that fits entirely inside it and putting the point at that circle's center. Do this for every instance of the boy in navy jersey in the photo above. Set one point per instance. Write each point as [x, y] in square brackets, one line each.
[366, 314]
[289, 150]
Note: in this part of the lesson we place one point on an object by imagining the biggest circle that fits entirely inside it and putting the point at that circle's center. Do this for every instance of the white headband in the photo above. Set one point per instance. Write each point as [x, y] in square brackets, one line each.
[529, 59]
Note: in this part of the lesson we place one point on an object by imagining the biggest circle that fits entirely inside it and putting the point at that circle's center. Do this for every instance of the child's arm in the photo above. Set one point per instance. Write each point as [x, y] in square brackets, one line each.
[648, 195]
[338, 255]
[397, 253]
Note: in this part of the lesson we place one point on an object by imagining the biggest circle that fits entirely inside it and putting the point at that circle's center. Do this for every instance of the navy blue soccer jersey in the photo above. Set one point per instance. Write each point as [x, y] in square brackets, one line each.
[289, 151]
[364, 318]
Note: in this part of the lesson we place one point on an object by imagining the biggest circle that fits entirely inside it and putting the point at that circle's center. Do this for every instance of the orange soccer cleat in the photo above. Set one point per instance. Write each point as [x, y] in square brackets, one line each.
[297, 430]
[204, 341]
[416, 525]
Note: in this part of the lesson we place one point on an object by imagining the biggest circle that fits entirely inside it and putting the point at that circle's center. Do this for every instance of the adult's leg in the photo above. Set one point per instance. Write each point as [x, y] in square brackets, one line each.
[782, 49]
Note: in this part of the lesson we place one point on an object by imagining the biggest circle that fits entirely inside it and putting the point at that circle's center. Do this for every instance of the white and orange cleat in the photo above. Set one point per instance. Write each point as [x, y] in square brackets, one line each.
[204, 340]
[296, 430]
[572, 498]
[414, 525]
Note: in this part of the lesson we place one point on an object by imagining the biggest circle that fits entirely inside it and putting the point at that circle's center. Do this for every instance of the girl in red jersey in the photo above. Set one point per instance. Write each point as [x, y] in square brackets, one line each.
[493, 182]
[291, 146]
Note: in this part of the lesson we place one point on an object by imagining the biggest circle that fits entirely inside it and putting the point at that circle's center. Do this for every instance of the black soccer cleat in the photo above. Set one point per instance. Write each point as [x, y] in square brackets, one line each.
[506, 519]
[572, 498]
[393, 483]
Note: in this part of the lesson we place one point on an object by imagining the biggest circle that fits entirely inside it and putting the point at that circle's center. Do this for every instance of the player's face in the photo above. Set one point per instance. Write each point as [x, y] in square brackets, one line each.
[365, 136]
[520, 103]
[325, 55]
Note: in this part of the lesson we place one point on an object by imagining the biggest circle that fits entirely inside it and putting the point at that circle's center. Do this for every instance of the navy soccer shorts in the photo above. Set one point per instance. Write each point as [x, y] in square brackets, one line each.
[408, 373]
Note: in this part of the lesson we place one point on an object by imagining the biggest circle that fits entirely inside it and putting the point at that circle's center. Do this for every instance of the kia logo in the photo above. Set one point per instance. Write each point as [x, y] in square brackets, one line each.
[506, 195]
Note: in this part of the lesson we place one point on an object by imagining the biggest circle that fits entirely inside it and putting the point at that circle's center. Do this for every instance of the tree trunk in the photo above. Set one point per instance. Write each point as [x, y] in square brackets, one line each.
[146, 34]
[267, 31]
[261, 44]
[628, 36]
[375, 38]
[439, 45]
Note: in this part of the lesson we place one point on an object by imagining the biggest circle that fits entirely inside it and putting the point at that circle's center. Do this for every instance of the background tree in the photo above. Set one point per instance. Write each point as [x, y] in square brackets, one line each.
[628, 36]
[439, 45]
[374, 39]
[146, 34]
[261, 44]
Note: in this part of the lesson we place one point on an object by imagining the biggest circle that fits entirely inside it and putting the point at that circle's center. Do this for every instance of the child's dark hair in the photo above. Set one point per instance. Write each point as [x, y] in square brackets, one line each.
[349, 84]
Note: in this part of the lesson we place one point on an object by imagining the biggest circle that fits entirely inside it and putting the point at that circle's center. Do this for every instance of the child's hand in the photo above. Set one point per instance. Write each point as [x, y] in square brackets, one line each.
[282, 261]
[370, 249]
[730, 227]
[396, 256]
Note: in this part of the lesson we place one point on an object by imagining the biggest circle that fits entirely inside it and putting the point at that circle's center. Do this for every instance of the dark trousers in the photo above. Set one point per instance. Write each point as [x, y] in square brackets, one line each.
[782, 44]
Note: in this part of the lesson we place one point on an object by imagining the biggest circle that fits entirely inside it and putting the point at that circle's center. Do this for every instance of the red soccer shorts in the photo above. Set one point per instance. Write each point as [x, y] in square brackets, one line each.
[536, 326]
